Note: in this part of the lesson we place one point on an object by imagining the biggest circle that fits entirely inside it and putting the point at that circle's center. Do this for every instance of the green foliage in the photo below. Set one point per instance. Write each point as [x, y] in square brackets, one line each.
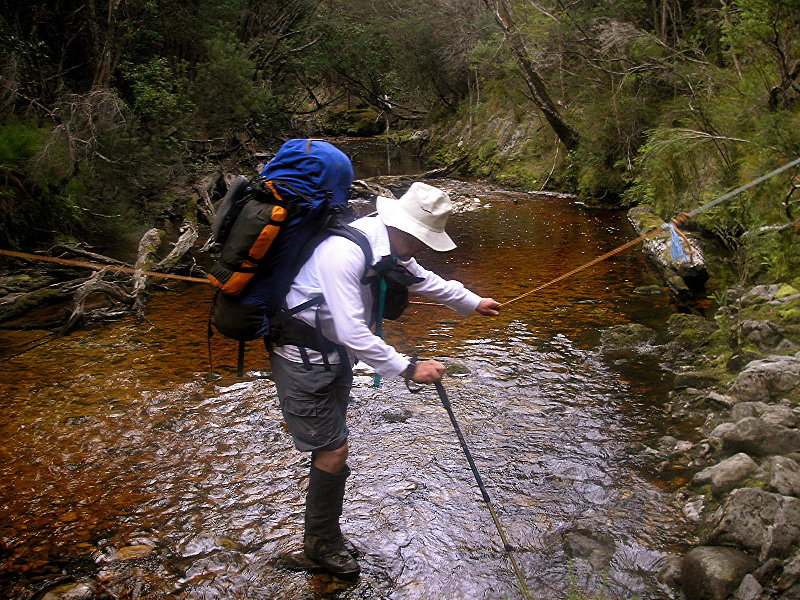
[161, 93]
[226, 91]
[29, 207]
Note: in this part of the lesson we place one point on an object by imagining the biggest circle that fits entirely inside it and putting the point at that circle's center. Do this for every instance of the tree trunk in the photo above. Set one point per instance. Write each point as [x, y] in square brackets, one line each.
[568, 136]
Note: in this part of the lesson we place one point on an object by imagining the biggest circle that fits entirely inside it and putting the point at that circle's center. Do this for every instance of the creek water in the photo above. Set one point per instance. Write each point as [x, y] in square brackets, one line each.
[126, 465]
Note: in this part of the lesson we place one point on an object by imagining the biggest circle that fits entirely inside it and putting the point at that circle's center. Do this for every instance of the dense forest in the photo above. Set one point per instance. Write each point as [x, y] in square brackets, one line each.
[111, 107]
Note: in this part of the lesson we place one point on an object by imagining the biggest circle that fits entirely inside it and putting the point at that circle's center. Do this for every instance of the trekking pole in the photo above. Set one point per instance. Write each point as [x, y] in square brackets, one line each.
[446, 403]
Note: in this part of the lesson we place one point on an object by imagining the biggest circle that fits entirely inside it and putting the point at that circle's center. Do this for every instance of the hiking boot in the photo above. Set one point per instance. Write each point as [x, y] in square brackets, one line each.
[331, 555]
[323, 541]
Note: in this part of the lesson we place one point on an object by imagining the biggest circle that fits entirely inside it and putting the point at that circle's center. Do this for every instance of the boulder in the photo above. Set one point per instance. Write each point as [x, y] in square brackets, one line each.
[780, 416]
[684, 278]
[784, 475]
[728, 474]
[764, 334]
[755, 437]
[743, 410]
[760, 294]
[714, 573]
[791, 574]
[750, 518]
[769, 380]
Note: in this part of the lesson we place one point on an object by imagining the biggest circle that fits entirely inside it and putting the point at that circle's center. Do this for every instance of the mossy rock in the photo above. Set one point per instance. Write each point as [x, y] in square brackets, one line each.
[644, 219]
[691, 329]
[791, 315]
[786, 290]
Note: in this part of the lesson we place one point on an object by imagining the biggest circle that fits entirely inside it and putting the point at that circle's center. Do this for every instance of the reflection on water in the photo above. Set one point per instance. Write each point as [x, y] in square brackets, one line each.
[372, 158]
[116, 439]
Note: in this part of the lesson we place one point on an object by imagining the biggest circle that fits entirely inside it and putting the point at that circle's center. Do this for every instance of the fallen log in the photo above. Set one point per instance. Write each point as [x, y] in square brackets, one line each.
[364, 189]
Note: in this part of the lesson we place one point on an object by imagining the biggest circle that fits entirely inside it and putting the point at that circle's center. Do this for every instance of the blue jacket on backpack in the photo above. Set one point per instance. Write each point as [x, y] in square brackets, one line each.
[314, 169]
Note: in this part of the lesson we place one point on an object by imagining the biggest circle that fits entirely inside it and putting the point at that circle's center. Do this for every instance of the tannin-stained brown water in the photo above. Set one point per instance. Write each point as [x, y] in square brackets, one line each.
[126, 466]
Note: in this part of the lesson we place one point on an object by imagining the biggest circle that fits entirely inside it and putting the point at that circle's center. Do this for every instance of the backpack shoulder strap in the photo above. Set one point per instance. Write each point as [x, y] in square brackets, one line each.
[357, 237]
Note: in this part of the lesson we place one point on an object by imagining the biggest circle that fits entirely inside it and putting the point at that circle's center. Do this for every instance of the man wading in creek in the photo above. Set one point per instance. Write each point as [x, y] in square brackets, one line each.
[314, 387]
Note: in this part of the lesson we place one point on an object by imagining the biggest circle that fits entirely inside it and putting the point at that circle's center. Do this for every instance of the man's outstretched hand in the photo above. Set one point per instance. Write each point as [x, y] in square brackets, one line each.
[429, 371]
[488, 307]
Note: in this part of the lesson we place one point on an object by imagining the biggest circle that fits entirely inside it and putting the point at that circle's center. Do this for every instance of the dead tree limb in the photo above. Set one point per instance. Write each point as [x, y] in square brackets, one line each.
[146, 258]
[179, 249]
[96, 285]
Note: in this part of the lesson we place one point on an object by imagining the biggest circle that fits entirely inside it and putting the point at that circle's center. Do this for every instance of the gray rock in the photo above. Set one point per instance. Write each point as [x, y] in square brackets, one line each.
[748, 409]
[791, 574]
[765, 334]
[728, 474]
[753, 519]
[719, 432]
[784, 475]
[753, 436]
[760, 294]
[780, 416]
[721, 400]
[768, 380]
[714, 573]
[749, 589]
[786, 347]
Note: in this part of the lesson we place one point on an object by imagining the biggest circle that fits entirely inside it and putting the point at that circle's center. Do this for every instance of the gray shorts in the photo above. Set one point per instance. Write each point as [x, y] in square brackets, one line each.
[314, 403]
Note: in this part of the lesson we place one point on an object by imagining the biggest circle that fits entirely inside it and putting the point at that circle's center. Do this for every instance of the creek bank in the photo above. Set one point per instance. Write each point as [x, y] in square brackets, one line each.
[735, 443]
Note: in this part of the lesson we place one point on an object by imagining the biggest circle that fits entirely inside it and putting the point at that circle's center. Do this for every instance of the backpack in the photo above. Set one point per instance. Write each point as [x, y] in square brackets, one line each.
[269, 228]
[263, 227]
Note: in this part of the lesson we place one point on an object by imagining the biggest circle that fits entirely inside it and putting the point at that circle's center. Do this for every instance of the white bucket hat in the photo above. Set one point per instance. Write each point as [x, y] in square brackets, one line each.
[422, 212]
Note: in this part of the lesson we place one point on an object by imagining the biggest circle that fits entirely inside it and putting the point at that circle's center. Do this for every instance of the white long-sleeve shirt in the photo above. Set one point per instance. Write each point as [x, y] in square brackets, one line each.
[334, 271]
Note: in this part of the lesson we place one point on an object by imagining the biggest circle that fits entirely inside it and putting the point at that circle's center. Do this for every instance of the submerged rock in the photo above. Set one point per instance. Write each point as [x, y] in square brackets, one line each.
[627, 340]
[77, 590]
[593, 546]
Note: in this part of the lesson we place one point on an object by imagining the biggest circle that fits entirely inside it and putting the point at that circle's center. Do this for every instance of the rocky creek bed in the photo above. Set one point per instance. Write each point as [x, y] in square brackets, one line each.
[735, 405]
